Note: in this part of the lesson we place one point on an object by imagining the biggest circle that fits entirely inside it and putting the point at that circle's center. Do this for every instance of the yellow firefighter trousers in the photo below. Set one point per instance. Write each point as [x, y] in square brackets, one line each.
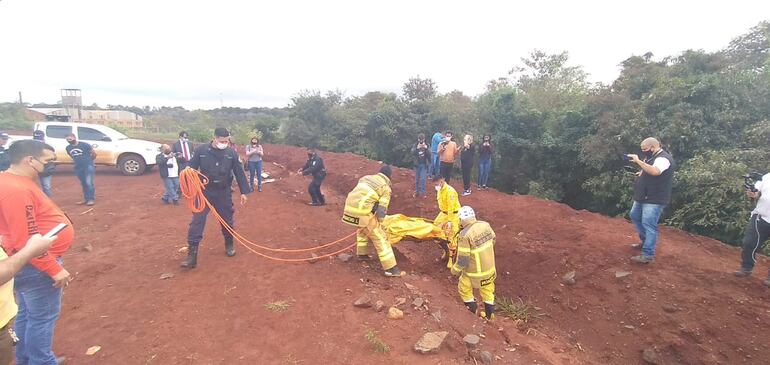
[485, 286]
[373, 231]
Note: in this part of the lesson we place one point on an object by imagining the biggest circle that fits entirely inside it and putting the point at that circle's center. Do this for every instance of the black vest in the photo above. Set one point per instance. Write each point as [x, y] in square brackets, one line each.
[655, 189]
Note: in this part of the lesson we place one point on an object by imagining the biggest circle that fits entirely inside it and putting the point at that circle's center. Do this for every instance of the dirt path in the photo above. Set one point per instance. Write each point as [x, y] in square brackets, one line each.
[686, 305]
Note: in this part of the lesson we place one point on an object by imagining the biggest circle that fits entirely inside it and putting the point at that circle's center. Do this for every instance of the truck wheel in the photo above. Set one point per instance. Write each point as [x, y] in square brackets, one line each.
[132, 165]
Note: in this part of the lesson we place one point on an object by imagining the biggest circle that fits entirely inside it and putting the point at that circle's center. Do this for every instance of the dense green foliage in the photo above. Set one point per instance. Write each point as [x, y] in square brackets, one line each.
[557, 135]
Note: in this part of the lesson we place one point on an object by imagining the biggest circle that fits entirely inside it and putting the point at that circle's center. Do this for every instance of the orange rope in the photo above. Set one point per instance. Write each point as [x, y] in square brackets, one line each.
[193, 183]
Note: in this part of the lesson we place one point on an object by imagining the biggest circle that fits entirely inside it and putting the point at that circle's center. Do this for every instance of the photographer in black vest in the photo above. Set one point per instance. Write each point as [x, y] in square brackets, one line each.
[652, 192]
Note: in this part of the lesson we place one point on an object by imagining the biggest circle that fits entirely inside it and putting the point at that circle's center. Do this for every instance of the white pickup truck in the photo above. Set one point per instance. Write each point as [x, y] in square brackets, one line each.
[132, 156]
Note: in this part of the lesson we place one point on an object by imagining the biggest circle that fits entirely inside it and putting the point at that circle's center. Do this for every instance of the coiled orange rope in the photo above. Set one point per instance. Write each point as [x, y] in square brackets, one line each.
[193, 183]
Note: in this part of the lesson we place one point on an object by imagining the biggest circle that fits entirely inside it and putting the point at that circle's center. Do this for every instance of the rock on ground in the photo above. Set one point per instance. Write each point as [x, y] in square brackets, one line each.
[430, 342]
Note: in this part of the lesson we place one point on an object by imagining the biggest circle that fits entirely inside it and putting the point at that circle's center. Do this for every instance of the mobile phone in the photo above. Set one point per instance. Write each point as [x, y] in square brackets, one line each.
[55, 230]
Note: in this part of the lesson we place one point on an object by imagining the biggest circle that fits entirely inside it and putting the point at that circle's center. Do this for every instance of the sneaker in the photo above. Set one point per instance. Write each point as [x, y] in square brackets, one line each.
[259, 189]
[313, 204]
[394, 272]
[742, 273]
[643, 259]
[81, 202]
[90, 203]
[637, 246]
[466, 193]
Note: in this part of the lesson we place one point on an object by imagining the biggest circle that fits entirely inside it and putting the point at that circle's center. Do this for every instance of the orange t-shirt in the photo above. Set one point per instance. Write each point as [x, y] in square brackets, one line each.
[448, 153]
[24, 211]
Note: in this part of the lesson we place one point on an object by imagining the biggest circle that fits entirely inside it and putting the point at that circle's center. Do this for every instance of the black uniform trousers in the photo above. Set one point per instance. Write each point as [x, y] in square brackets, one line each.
[222, 200]
[757, 232]
[314, 189]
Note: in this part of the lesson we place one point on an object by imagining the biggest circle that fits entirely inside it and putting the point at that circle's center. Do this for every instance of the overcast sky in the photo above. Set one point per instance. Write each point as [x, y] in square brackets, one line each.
[260, 53]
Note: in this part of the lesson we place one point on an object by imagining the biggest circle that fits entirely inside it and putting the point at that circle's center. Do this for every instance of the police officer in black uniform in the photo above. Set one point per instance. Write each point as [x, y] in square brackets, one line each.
[314, 167]
[219, 163]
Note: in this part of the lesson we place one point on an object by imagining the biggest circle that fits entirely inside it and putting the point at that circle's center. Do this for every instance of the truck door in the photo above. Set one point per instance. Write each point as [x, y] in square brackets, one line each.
[102, 144]
[55, 136]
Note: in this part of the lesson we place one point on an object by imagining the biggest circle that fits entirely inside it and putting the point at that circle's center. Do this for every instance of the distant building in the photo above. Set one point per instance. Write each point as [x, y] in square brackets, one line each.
[120, 118]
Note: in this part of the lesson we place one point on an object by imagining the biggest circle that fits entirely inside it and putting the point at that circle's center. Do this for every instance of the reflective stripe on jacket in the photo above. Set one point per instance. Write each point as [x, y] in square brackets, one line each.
[475, 251]
[371, 192]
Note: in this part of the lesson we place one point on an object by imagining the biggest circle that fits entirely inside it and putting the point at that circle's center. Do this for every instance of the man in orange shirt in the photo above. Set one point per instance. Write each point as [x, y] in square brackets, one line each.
[25, 211]
[447, 152]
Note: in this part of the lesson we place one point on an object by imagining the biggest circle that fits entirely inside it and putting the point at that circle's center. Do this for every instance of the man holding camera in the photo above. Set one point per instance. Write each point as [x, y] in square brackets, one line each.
[422, 163]
[758, 229]
[652, 192]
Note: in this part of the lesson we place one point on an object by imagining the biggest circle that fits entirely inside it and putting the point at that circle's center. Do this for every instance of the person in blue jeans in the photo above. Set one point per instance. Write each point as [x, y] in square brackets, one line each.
[36, 294]
[422, 163]
[485, 162]
[435, 166]
[652, 192]
[168, 167]
[83, 156]
[254, 153]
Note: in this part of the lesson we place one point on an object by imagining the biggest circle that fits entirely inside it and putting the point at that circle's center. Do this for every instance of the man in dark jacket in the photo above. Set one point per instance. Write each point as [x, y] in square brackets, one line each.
[314, 167]
[168, 167]
[422, 163]
[652, 192]
[183, 147]
[219, 163]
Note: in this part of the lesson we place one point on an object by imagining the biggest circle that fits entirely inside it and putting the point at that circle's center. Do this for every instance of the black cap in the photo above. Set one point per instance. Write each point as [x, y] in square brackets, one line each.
[221, 132]
[386, 170]
[183, 134]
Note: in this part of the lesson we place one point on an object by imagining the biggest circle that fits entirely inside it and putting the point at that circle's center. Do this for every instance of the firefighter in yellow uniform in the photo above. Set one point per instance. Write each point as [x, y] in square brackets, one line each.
[476, 262]
[365, 207]
[447, 218]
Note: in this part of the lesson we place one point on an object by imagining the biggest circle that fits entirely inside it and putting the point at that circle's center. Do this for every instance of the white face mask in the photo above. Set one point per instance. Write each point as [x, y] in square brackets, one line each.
[221, 146]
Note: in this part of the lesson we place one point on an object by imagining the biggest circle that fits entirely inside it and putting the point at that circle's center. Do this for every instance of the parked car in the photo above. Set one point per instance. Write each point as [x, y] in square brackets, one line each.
[132, 156]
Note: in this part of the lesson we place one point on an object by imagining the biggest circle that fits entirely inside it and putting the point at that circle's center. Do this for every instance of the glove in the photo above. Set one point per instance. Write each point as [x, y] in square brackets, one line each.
[381, 212]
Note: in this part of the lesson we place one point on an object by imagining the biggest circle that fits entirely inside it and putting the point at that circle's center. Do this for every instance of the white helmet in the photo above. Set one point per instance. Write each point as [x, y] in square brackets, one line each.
[466, 213]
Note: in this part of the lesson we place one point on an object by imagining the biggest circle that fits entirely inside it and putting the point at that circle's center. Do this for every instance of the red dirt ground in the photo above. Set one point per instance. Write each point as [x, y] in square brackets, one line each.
[215, 314]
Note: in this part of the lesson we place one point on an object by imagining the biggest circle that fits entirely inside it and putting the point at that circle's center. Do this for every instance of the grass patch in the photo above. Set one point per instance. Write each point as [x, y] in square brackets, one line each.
[278, 306]
[517, 309]
[378, 345]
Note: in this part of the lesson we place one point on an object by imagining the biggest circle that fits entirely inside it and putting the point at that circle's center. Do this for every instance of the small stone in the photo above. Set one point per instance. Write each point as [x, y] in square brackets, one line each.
[621, 274]
[344, 257]
[379, 306]
[651, 357]
[670, 308]
[183, 249]
[411, 287]
[471, 341]
[629, 327]
[399, 302]
[569, 278]
[167, 275]
[88, 248]
[485, 357]
[363, 302]
[521, 234]
[92, 350]
[314, 258]
[395, 313]
[418, 302]
[430, 342]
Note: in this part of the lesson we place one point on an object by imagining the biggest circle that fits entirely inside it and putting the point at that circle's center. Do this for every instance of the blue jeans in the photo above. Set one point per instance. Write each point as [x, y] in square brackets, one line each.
[39, 308]
[171, 185]
[86, 176]
[45, 184]
[485, 166]
[255, 167]
[645, 217]
[435, 168]
[421, 179]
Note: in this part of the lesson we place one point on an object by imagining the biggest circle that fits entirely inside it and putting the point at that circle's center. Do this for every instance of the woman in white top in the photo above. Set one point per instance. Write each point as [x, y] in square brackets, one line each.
[254, 153]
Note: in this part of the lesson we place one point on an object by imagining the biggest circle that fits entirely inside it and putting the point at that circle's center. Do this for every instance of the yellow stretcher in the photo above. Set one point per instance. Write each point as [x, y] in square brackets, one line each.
[399, 226]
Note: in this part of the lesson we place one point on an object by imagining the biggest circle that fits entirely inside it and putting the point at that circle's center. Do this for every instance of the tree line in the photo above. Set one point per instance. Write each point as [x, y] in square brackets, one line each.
[556, 135]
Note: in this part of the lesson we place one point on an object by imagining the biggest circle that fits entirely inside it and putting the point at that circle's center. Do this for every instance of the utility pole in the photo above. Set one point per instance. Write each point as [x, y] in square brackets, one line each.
[21, 101]
[221, 104]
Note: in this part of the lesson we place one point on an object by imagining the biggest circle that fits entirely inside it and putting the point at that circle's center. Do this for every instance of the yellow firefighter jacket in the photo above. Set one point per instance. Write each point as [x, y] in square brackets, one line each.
[475, 253]
[370, 195]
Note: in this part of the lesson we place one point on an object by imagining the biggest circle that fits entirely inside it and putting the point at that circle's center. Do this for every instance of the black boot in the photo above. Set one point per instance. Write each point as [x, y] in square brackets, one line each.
[192, 257]
[445, 249]
[229, 246]
[322, 200]
[472, 306]
[489, 310]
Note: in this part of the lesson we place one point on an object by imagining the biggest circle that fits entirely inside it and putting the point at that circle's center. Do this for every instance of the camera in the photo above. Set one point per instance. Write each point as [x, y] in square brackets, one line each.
[750, 179]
